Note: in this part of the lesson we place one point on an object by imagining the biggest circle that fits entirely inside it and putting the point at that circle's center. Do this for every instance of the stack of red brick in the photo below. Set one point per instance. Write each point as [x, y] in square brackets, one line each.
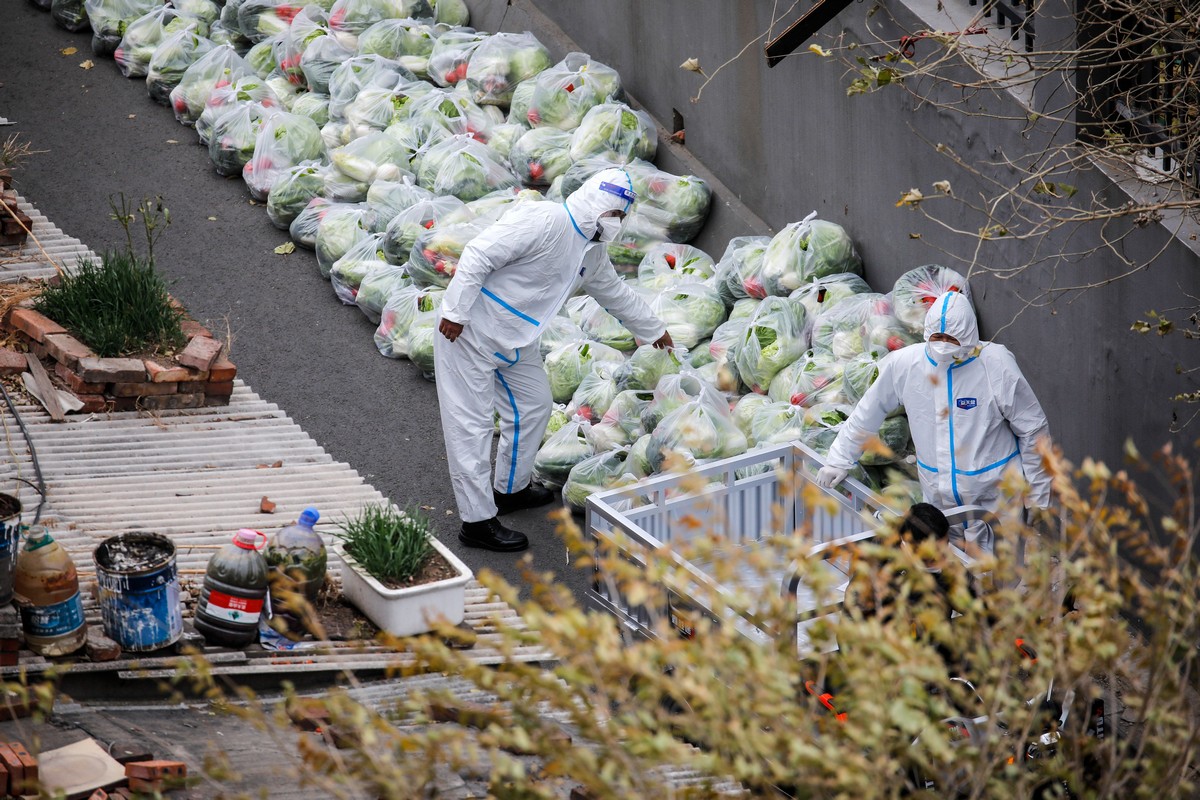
[200, 375]
[18, 770]
[13, 222]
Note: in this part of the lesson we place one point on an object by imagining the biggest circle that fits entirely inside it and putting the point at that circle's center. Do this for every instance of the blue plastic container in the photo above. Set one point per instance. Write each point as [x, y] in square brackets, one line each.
[10, 534]
[139, 591]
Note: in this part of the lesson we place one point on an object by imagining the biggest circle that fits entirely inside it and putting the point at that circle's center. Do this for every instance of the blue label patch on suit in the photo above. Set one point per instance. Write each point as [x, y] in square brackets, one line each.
[966, 403]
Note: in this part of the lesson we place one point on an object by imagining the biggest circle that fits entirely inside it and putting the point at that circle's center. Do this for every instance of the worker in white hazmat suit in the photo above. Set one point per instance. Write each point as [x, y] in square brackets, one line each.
[972, 414]
[511, 281]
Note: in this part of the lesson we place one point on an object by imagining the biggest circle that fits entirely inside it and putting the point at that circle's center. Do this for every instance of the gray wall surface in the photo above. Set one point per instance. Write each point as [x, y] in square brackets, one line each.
[782, 142]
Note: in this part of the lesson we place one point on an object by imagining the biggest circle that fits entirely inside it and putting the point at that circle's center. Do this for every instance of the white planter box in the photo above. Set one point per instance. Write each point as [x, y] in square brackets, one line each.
[408, 611]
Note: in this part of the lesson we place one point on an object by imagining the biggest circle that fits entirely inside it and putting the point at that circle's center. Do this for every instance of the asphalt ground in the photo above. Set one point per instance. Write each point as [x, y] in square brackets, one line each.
[293, 341]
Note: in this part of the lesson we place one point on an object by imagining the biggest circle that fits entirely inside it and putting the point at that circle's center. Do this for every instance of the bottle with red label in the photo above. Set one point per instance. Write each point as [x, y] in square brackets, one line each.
[235, 585]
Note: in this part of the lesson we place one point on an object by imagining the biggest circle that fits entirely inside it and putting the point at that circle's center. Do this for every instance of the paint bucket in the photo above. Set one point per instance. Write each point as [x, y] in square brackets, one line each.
[139, 590]
[10, 534]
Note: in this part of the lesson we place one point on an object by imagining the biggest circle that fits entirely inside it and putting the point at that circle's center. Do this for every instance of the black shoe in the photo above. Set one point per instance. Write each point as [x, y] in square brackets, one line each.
[490, 534]
[531, 496]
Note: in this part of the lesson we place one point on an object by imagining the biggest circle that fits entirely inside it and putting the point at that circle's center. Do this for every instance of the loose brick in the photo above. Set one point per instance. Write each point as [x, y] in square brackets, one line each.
[162, 373]
[172, 401]
[200, 353]
[29, 763]
[66, 349]
[214, 400]
[112, 370]
[16, 770]
[11, 362]
[123, 404]
[39, 350]
[33, 324]
[222, 370]
[124, 752]
[191, 329]
[10, 658]
[92, 403]
[157, 770]
[224, 388]
[101, 648]
[75, 383]
[142, 389]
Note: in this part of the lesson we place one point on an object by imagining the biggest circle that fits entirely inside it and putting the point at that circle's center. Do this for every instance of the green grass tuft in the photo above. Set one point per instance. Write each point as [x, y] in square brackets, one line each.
[389, 543]
[118, 307]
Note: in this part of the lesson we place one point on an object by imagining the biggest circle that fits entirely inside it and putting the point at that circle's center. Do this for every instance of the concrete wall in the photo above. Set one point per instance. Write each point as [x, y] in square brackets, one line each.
[782, 142]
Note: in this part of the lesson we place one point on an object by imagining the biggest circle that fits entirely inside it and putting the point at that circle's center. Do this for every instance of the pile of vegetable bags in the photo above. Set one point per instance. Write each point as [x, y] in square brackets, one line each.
[386, 134]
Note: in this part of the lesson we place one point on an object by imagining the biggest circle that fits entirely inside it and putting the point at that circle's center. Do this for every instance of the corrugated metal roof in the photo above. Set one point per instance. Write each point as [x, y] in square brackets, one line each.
[48, 246]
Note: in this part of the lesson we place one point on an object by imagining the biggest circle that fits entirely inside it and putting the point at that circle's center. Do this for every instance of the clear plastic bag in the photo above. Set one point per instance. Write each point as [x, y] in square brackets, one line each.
[348, 271]
[303, 229]
[451, 12]
[439, 114]
[388, 198]
[292, 190]
[204, 12]
[811, 248]
[674, 391]
[683, 200]
[377, 288]
[621, 424]
[501, 139]
[739, 272]
[450, 55]
[219, 67]
[518, 107]
[171, 59]
[340, 228]
[232, 139]
[558, 331]
[649, 364]
[601, 326]
[141, 38]
[110, 18]
[319, 61]
[691, 312]
[777, 423]
[406, 227]
[350, 18]
[821, 425]
[464, 168]
[263, 19]
[69, 14]
[354, 72]
[744, 411]
[915, 291]
[812, 379]
[371, 158]
[566, 91]
[250, 89]
[408, 41]
[396, 320]
[540, 156]
[502, 61]
[313, 105]
[567, 447]
[773, 339]
[434, 255]
[380, 105]
[605, 470]
[595, 393]
[699, 429]
[309, 25]
[616, 133]
[567, 364]
[820, 294]
[857, 324]
[670, 263]
[860, 372]
[420, 342]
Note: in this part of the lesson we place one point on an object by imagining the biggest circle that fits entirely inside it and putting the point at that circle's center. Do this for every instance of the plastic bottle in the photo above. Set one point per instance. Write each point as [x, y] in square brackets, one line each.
[235, 585]
[296, 555]
[46, 586]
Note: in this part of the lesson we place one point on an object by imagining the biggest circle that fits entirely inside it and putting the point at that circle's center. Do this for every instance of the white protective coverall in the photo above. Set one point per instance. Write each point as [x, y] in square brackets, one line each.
[972, 415]
[511, 281]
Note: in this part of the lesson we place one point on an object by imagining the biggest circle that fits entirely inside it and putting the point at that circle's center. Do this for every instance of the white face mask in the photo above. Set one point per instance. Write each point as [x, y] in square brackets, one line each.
[944, 351]
[608, 228]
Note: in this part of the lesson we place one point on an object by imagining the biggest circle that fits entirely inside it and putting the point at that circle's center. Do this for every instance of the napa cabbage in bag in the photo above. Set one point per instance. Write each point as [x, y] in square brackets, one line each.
[566, 91]
[567, 365]
[434, 256]
[670, 263]
[406, 227]
[348, 271]
[773, 339]
[502, 61]
[284, 140]
[398, 315]
[915, 291]
[171, 59]
[377, 287]
[567, 447]
[598, 473]
[615, 133]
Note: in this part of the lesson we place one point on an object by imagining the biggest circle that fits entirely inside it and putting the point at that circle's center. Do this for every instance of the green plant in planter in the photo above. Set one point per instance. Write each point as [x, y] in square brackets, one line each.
[392, 545]
[120, 305]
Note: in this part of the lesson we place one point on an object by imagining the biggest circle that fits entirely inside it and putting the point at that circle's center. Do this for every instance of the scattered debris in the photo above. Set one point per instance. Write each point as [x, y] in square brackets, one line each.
[266, 506]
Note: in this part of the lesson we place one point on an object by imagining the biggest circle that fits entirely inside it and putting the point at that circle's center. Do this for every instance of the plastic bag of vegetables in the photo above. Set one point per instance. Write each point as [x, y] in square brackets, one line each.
[696, 430]
[341, 227]
[776, 423]
[234, 134]
[443, 113]
[494, 205]
[622, 423]
[354, 72]
[434, 255]
[110, 18]
[821, 425]
[674, 391]
[502, 137]
[319, 61]
[739, 272]
[606, 470]
[811, 248]
[377, 287]
[218, 68]
[303, 230]
[809, 380]
[142, 37]
[649, 364]
[595, 392]
[349, 270]
[261, 56]
[558, 331]
[389, 198]
[860, 372]
[773, 339]
[639, 457]
[307, 26]
[682, 200]
[743, 413]
[566, 91]
[350, 18]
[893, 434]
[313, 105]
[400, 39]
[916, 290]
[822, 293]
[204, 12]
[540, 156]
[518, 107]
[451, 12]
[670, 263]
[292, 190]
[420, 342]
[171, 60]
[371, 158]
[603, 327]
[568, 363]
[500, 62]
[396, 319]
[562, 451]
[263, 19]
[378, 107]
[284, 140]
[857, 324]
[616, 133]
[404, 228]
[69, 14]
[249, 89]
[691, 312]
[450, 54]
[464, 168]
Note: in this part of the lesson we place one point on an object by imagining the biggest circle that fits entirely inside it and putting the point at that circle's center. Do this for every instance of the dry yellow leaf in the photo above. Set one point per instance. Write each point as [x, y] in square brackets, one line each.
[87, 64]
[68, 51]
[285, 248]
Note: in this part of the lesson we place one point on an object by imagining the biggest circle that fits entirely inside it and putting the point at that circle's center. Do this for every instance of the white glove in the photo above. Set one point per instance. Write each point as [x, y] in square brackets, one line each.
[829, 477]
